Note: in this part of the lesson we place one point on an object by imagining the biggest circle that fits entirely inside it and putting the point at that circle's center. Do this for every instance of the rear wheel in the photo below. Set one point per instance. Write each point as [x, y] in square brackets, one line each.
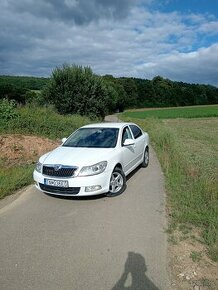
[117, 182]
[145, 161]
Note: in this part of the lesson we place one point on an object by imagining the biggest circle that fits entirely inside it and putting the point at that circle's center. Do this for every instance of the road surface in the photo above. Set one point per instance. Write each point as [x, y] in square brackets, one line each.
[95, 244]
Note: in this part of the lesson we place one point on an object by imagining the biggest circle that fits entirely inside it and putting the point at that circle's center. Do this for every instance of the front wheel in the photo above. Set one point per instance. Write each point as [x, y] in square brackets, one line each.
[145, 161]
[117, 182]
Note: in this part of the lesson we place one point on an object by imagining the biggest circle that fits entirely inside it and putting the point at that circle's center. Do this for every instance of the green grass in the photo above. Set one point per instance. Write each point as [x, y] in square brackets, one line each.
[33, 121]
[172, 113]
[188, 153]
[42, 122]
[14, 178]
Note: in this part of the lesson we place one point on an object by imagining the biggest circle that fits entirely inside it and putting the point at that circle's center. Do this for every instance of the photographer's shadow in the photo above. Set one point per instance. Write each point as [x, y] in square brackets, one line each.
[134, 277]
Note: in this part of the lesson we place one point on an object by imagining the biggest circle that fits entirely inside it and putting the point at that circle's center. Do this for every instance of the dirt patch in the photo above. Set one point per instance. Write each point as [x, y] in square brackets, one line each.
[191, 269]
[21, 149]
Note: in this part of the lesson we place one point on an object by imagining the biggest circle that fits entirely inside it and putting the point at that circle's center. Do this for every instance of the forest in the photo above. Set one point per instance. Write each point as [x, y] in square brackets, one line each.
[160, 92]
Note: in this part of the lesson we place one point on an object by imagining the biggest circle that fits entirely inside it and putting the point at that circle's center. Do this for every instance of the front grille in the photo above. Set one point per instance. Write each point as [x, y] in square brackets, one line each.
[59, 190]
[55, 171]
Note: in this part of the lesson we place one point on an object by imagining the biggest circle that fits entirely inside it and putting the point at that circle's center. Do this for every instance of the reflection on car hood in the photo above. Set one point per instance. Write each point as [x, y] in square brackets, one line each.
[77, 156]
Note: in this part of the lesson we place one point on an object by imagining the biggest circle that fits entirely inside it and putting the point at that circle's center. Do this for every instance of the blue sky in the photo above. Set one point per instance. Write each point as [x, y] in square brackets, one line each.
[177, 39]
[189, 6]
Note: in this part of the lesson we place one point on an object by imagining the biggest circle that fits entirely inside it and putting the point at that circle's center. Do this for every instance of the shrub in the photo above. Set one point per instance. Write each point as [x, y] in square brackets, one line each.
[8, 109]
[76, 90]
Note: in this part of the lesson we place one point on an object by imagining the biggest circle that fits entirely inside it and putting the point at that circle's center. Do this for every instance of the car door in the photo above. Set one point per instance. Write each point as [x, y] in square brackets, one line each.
[139, 143]
[128, 152]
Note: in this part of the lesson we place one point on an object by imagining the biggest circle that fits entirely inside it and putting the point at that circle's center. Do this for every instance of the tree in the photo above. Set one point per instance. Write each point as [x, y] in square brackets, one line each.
[75, 89]
[12, 92]
[119, 96]
[131, 92]
[146, 93]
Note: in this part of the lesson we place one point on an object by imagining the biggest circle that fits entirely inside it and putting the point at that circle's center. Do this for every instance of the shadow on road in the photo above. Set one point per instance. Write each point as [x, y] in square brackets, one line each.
[134, 277]
[131, 174]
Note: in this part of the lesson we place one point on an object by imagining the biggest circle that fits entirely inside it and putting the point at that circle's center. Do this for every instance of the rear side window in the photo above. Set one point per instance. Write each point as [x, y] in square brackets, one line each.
[136, 131]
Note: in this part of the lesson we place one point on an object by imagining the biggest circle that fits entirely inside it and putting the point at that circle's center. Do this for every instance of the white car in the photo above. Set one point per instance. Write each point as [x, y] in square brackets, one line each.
[94, 160]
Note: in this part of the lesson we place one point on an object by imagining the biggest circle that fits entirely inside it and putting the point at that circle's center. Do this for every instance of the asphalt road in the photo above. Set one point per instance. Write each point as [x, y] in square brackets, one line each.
[96, 244]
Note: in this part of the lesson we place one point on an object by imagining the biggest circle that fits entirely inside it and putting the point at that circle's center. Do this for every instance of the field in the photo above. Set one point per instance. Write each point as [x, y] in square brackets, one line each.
[172, 113]
[188, 151]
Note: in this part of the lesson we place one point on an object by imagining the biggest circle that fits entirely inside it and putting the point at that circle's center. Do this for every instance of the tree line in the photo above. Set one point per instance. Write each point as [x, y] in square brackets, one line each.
[160, 92]
[76, 89]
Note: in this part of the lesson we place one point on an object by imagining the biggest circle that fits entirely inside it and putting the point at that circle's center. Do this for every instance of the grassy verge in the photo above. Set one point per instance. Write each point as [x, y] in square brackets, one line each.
[43, 122]
[188, 152]
[171, 113]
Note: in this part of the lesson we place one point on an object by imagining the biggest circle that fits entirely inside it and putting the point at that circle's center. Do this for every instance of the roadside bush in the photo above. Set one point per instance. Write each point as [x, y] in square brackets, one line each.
[76, 90]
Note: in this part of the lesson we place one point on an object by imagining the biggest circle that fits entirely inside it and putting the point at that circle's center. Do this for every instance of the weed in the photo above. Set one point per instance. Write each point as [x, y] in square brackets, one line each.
[185, 229]
[213, 252]
[195, 256]
[183, 238]
[172, 239]
[7, 110]
[207, 283]
[171, 228]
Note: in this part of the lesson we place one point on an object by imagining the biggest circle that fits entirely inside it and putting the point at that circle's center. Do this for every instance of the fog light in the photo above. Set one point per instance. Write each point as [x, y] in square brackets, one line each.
[92, 188]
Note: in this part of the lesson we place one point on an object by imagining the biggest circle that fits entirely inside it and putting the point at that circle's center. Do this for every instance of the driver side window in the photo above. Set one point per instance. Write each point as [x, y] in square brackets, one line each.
[126, 134]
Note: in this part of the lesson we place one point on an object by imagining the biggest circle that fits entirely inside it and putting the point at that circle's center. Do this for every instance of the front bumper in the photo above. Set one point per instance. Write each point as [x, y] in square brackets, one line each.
[77, 185]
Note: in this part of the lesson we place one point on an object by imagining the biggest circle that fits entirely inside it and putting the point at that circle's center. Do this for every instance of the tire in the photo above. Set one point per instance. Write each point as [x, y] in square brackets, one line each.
[145, 161]
[117, 182]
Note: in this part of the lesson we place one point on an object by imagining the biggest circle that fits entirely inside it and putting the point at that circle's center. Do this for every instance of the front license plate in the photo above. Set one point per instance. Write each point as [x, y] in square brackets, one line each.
[58, 183]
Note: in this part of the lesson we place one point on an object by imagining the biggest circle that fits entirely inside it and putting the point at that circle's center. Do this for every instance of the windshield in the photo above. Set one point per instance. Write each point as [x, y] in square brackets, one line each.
[93, 138]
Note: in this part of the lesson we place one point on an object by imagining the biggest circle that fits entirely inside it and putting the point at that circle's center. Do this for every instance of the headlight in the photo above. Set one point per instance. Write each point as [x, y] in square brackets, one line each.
[93, 169]
[39, 167]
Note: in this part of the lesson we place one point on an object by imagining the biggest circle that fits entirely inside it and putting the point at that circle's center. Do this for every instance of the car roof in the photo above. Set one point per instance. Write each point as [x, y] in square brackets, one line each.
[108, 125]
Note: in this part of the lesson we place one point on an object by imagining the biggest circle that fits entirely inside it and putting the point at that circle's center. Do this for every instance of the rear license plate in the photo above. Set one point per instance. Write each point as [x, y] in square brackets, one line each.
[58, 183]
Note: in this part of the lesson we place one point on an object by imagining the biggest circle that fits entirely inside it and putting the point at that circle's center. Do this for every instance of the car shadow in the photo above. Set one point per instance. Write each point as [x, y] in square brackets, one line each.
[129, 176]
[134, 277]
[93, 197]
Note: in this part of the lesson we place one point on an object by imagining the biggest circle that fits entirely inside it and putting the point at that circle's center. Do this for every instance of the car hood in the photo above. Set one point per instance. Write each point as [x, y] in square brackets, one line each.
[76, 156]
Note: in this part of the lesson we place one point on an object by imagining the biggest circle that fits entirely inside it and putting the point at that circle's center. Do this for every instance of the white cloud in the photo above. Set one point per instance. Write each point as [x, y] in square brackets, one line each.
[144, 43]
[200, 66]
[210, 27]
[71, 3]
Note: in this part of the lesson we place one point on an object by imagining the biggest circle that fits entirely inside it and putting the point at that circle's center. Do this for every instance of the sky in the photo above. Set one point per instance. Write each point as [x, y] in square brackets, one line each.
[176, 39]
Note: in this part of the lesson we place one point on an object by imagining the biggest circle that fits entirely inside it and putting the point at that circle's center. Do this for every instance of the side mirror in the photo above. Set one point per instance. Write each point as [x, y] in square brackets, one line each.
[128, 142]
[63, 140]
